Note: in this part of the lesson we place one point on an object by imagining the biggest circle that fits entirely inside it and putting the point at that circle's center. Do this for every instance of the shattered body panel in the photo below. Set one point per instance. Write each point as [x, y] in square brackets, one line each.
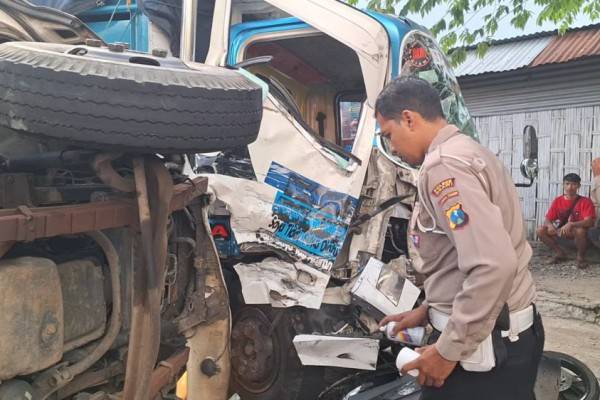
[303, 191]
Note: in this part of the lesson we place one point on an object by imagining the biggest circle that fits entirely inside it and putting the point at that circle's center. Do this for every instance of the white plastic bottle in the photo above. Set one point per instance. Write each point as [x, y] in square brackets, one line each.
[412, 336]
[407, 355]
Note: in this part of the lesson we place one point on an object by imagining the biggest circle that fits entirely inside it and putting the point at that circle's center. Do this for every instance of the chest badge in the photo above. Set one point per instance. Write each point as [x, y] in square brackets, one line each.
[457, 217]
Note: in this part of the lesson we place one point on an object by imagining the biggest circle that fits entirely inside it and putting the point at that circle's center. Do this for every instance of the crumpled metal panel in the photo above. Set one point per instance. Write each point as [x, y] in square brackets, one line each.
[282, 284]
[503, 57]
[343, 352]
[572, 46]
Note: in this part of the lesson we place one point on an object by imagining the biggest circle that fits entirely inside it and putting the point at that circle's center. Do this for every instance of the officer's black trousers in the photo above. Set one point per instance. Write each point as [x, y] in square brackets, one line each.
[513, 380]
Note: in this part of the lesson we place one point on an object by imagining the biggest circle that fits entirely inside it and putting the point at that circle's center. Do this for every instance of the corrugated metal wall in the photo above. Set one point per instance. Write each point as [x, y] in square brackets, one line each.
[569, 139]
[543, 88]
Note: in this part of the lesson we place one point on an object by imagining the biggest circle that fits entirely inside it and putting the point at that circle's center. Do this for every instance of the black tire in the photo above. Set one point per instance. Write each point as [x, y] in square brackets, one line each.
[284, 377]
[132, 101]
[577, 381]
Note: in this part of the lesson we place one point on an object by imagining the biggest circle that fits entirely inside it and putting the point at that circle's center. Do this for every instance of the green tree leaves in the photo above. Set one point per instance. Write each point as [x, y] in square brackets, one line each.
[451, 29]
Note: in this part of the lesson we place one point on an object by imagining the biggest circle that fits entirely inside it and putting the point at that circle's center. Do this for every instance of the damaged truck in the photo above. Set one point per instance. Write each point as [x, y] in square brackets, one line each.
[129, 253]
[108, 272]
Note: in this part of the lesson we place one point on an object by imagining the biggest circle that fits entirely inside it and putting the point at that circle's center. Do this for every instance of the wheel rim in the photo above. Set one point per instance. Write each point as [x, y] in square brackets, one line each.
[572, 386]
[255, 359]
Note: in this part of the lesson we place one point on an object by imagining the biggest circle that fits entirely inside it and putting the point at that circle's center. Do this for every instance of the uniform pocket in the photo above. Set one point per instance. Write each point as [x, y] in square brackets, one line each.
[483, 359]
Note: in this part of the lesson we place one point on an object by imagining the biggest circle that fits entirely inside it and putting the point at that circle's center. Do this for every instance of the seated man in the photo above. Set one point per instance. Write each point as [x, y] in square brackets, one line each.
[570, 217]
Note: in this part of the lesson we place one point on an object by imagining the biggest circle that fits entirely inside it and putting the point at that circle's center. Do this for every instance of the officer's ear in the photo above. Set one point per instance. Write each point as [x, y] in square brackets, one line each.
[408, 117]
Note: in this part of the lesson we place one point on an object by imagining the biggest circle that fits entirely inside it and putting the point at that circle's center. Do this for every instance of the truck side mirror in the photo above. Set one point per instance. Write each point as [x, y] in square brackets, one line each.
[530, 143]
[529, 165]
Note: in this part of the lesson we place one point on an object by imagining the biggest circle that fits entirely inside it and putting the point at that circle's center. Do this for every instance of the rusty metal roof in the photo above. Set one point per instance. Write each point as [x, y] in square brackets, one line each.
[569, 47]
[533, 50]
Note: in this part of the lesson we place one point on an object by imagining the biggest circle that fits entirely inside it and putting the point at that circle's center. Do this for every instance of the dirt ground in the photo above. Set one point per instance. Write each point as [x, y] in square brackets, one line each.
[569, 300]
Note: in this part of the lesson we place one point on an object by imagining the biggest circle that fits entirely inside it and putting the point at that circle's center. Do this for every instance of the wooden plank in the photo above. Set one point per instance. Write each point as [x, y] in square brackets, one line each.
[586, 188]
[506, 157]
[556, 167]
[517, 139]
[529, 202]
[572, 163]
[543, 184]
[557, 132]
[506, 134]
[544, 151]
[595, 133]
[544, 123]
[587, 126]
[595, 145]
[494, 145]
[585, 160]
[585, 145]
[482, 125]
[574, 118]
[542, 209]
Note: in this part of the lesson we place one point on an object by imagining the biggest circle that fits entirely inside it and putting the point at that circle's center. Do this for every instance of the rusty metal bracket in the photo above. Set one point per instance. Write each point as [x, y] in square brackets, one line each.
[167, 371]
[209, 341]
[102, 165]
[30, 223]
[194, 312]
[90, 379]
[154, 193]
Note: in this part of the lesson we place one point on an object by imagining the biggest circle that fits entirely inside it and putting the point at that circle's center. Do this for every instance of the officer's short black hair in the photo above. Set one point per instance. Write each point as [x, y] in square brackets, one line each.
[574, 178]
[409, 93]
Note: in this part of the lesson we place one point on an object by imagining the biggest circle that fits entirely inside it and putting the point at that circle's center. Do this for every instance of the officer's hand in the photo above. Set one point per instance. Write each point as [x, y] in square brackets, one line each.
[433, 368]
[408, 319]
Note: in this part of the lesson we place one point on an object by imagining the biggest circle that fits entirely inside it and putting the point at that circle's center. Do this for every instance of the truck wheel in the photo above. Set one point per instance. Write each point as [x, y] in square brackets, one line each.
[115, 98]
[264, 363]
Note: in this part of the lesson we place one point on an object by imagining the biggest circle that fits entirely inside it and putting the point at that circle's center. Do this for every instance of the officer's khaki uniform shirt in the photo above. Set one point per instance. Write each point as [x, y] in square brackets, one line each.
[471, 238]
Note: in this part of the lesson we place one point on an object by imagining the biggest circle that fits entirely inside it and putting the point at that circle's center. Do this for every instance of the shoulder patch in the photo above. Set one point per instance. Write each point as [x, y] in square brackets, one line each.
[447, 197]
[443, 185]
[457, 217]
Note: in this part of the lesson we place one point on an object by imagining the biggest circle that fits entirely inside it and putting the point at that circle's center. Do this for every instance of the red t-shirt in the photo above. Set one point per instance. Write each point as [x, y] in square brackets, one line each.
[560, 207]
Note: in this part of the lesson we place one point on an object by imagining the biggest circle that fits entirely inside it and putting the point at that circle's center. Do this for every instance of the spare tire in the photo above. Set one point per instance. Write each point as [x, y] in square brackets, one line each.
[120, 99]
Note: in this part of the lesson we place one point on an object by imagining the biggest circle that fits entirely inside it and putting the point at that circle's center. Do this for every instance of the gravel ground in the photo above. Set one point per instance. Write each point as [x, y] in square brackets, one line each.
[569, 300]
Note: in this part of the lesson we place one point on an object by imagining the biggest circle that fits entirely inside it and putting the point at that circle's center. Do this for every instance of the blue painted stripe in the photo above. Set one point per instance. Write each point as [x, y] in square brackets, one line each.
[240, 33]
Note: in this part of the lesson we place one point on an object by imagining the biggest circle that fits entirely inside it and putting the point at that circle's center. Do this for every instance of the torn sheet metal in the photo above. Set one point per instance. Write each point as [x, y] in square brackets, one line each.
[384, 181]
[309, 215]
[383, 288]
[285, 141]
[335, 351]
[249, 203]
[282, 284]
[337, 295]
[290, 212]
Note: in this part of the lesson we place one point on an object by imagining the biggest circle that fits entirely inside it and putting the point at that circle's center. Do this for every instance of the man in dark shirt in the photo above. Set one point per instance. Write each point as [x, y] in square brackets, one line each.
[570, 217]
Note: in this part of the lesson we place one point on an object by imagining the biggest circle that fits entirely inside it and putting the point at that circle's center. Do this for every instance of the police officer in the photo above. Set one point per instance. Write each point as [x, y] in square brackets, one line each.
[468, 230]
